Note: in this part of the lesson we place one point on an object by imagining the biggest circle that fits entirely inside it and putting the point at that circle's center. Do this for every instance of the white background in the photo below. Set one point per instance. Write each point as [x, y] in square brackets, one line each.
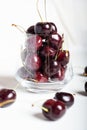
[72, 15]
[73, 18]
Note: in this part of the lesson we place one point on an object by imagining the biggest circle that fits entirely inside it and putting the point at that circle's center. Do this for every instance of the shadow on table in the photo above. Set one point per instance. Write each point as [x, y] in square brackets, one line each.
[7, 82]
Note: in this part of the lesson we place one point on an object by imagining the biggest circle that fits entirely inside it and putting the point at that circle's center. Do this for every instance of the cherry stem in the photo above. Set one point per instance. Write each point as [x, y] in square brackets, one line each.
[39, 11]
[43, 108]
[20, 28]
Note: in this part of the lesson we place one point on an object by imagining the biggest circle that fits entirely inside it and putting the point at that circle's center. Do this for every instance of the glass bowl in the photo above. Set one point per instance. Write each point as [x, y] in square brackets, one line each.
[50, 86]
[45, 59]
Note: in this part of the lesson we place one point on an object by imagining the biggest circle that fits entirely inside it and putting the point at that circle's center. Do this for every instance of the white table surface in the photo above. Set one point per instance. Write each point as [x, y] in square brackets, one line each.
[21, 114]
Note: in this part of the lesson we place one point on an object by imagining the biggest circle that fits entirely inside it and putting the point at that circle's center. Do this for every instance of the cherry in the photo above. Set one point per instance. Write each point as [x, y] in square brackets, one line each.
[63, 57]
[30, 30]
[33, 43]
[85, 86]
[55, 40]
[60, 74]
[47, 51]
[56, 109]
[40, 77]
[7, 96]
[43, 29]
[52, 67]
[53, 27]
[32, 62]
[65, 97]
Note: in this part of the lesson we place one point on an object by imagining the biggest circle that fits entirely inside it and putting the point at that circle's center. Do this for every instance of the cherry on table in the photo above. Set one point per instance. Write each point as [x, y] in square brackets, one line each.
[56, 109]
[65, 97]
[7, 96]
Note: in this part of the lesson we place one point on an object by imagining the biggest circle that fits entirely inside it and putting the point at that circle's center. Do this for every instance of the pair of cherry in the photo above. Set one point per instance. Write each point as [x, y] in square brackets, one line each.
[55, 108]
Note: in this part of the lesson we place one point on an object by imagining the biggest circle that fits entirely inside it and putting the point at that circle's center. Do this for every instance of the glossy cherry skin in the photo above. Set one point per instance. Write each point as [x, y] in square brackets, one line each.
[43, 29]
[33, 43]
[7, 96]
[53, 27]
[65, 97]
[32, 62]
[47, 51]
[56, 109]
[60, 75]
[39, 77]
[30, 30]
[55, 41]
[63, 57]
[52, 67]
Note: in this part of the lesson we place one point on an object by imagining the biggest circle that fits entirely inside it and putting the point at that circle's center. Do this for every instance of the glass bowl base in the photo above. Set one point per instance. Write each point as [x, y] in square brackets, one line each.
[37, 87]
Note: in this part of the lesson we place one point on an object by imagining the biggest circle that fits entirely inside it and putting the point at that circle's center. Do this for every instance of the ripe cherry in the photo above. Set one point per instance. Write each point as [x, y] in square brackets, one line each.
[7, 96]
[65, 97]
[55, 40]
[52, 67]
[53, 27]
[43, 29]
[56, 109]
[40, 77]
[47, 51]
[60, 75]
[33, 43]
[63, 57]
[32, 62]
[30, 30]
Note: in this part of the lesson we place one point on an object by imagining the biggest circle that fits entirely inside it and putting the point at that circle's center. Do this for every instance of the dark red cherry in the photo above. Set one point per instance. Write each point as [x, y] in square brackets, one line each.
[60, 75]
[7, 96]
[32, 62]
[65, 97]
[43, 29]
[53, 27]
[52, 67]
[30, 30]
[63, 57]
[55, 40]
[47, 51]
[40, 77]
[33, 43]
[56, 109]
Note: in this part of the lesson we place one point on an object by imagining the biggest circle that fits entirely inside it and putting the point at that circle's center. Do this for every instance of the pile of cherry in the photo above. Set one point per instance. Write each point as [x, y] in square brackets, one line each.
[43, 55]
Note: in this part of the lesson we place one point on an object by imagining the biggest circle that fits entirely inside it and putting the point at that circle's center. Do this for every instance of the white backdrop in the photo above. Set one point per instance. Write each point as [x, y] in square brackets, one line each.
[72, 13]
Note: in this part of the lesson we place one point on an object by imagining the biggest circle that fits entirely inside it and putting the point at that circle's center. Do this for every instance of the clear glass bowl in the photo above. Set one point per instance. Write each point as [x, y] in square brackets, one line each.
[45, 62]
[49, 86]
